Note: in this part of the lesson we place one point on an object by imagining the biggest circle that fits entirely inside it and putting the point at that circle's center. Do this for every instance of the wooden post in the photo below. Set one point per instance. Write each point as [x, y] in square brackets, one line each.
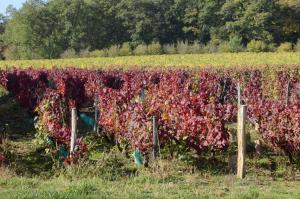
[155, 137]
[241, 136]
[288, 93]
[239, 94]
[142, 95]
[73, 129]
[96, 114]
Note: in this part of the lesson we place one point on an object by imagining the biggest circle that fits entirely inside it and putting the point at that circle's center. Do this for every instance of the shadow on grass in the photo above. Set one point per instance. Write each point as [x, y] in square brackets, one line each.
[212, 165]
[17, 121]
[33, 163]
[22, 156]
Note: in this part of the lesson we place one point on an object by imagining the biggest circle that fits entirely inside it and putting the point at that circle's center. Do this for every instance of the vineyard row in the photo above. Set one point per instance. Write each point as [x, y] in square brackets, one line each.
[192, 107]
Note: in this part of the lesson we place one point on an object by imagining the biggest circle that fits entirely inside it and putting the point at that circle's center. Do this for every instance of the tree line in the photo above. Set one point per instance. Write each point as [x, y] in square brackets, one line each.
[48, 29]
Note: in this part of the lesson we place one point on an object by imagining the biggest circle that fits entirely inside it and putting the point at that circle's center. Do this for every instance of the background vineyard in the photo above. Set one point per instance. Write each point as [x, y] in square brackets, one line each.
[220, 60]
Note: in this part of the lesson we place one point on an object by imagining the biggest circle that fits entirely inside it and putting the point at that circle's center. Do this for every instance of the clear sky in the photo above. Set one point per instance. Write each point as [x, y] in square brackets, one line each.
[4, 3]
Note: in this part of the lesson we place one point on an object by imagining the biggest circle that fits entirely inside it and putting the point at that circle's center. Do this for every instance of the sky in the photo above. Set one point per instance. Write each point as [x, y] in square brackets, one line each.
[4, 3]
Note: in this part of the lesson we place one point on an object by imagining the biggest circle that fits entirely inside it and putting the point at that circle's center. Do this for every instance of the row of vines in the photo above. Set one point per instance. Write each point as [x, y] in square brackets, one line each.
[192, 107]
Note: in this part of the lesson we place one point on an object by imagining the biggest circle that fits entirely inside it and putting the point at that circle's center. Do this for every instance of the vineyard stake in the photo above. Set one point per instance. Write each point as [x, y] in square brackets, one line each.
[155, 137]
[241, 136]
[96, 114]
[239, 94]
[288, 93]
[142, 95]
[73, 129]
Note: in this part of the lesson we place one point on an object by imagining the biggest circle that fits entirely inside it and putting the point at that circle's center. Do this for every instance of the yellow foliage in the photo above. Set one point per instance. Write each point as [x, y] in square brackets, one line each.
[218, 60]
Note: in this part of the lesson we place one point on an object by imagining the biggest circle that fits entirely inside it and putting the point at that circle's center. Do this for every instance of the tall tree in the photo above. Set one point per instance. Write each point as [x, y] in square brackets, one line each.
[151, 20]
[2, 29]
[249, 19]
[103, 28]
[200, 18]
[289, 20]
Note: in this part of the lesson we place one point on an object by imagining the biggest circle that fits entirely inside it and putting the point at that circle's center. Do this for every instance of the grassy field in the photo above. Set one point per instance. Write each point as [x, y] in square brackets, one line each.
[111, 175]
[149, 186]
[156, 61]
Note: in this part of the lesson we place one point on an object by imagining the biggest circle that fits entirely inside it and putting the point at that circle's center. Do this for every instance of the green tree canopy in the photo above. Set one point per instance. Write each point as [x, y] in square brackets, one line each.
[45, 29]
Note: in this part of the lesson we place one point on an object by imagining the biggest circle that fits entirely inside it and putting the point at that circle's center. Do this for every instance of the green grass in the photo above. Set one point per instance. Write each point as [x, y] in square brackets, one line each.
[111, 175]
[149, 185]
[156, 61]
